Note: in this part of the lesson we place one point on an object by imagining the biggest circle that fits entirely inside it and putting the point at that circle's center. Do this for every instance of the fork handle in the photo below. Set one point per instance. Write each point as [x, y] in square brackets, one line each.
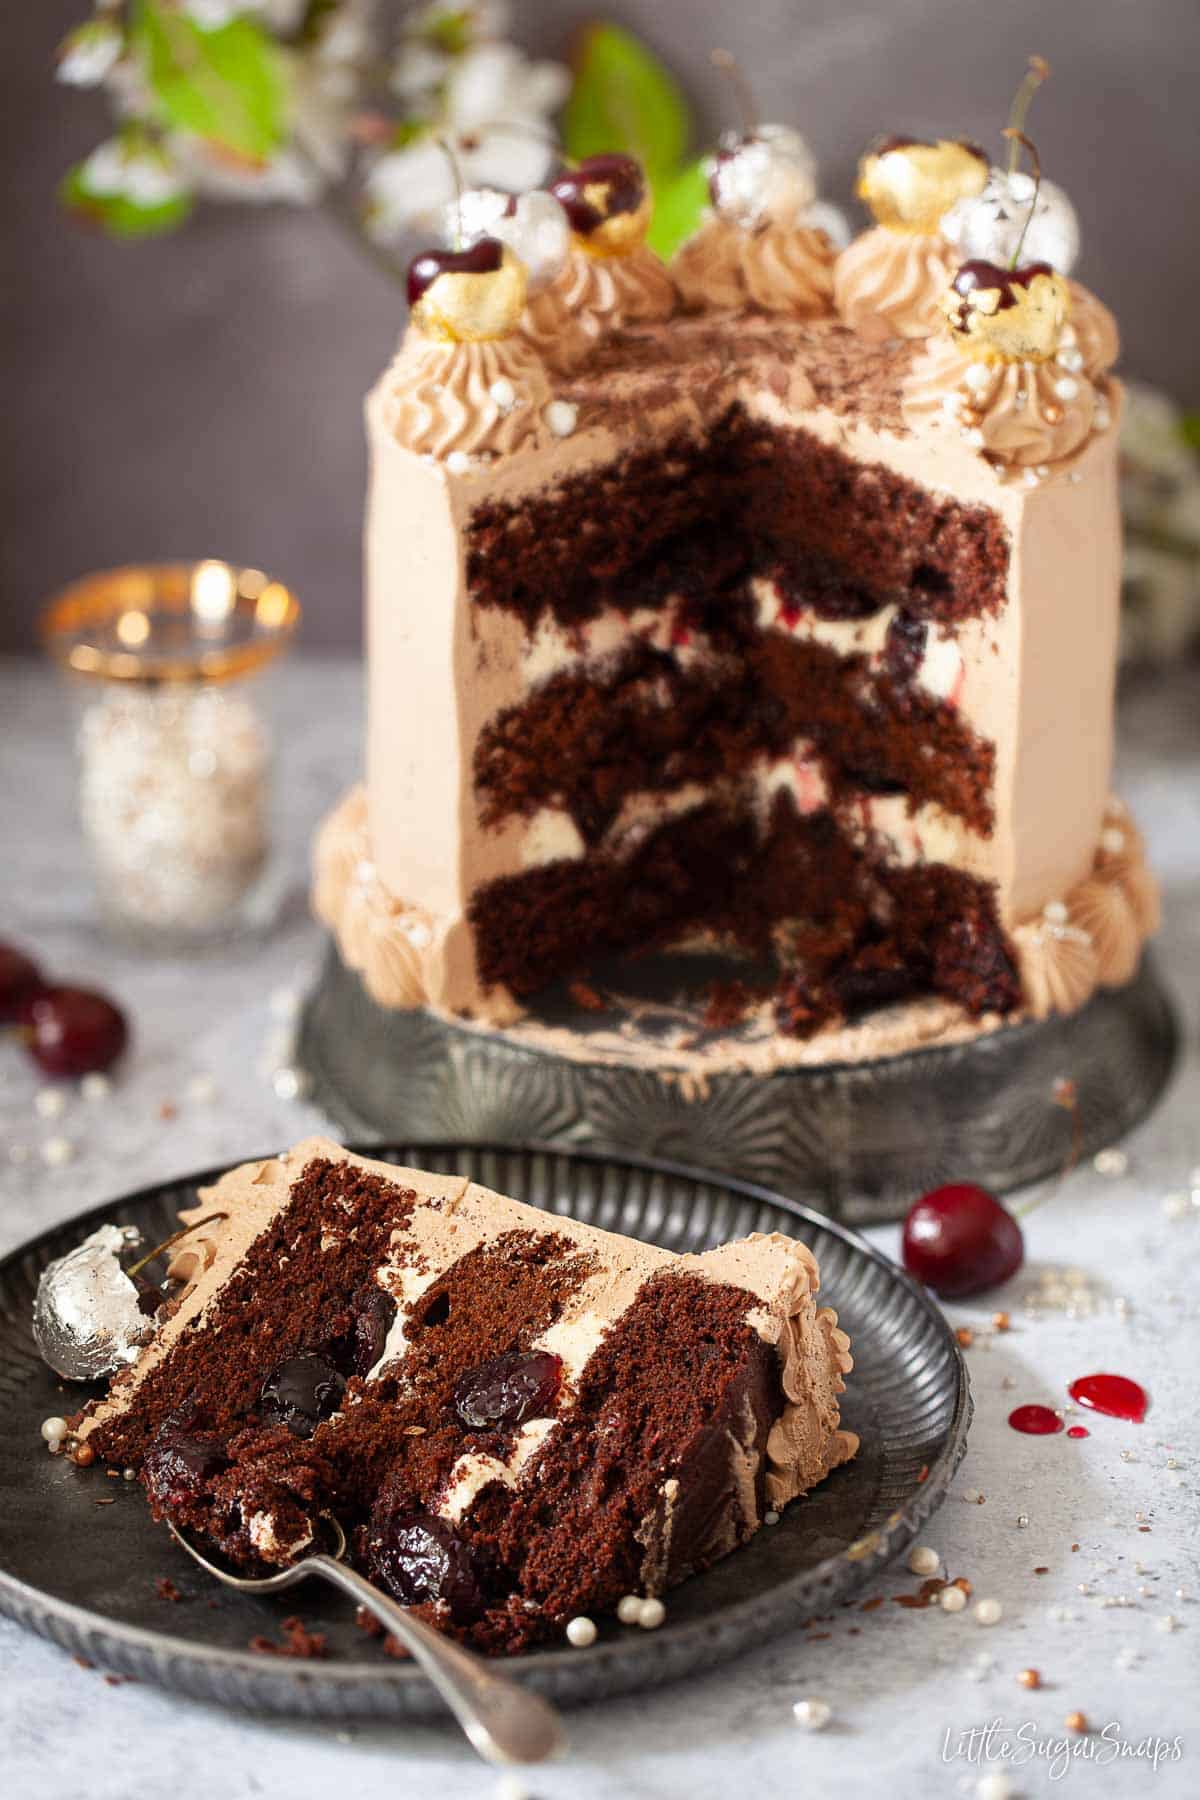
[505, 1722]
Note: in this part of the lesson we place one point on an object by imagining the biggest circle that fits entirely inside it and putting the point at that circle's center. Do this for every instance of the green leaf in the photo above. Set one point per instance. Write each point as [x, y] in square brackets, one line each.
[679, 202]
[226, 86]
[1189, 425]
[623, 99]
[118, 216]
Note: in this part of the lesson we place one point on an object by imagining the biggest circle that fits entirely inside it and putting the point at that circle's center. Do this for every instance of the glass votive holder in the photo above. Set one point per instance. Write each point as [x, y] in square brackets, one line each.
[174, 750]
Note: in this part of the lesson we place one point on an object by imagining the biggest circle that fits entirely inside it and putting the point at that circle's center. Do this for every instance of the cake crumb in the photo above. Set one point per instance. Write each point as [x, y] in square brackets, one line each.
[165, 1588]
[298, 1641]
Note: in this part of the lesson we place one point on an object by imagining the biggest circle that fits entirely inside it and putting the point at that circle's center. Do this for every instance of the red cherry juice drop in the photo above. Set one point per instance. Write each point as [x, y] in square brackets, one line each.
[1115, 1395]
[1035, 1421]
[1078, 1431]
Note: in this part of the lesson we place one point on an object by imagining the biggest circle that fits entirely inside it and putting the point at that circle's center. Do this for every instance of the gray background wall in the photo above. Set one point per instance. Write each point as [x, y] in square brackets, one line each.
[200, 395]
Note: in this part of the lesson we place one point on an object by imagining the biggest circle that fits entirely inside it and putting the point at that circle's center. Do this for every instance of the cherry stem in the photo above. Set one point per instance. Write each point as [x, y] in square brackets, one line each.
[1018, 112]
[443, 145]
[175, 1238]
[728, 64]
[1019, 140]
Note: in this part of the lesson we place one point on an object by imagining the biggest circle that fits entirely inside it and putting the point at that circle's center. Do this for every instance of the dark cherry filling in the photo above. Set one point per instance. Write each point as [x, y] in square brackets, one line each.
[358, 1351]
[480, 258]
[300, 1393]
[181, 1461]
[421, 1558]
[508, 1390]
[624, 190]
[905, 646]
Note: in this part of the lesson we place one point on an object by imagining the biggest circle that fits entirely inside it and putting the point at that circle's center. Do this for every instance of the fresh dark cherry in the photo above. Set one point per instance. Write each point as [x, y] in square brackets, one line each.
[508, 1390]
[419, 1557]
[904, 647]
[483, 257]
[179, 1464]
[73, 1031]
[620, 177]
[20, 980]
[301, 1392]
[959, 1240]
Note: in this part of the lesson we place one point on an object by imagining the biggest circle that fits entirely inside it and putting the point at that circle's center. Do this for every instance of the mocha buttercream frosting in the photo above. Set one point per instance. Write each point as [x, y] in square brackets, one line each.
[1093, 937]
[1092, 331]
[593, 296]
[888, 283]
[776, 268]
[478, 397]
[1019, 413]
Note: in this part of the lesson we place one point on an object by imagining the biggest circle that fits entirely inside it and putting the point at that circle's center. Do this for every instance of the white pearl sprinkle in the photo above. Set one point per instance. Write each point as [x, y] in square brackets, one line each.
[1022, 1521]
[812, 1713]
[95, 1087]
[924, 1561]
[503, 393]
[581, 1632]
[560, 416]
[49, 1102]
[1055, 912]
[977, 377]
[54, 1430]
[770, 1518]
[651, 1614]
[1102, 418]
[1113, 1163]
[994, 1786]
[1069, 358]
[988, 1612]
[629, 1609]
[510, 1787]
[458, 462]
[1066, 387]
[57, 1151]
[952, 1600]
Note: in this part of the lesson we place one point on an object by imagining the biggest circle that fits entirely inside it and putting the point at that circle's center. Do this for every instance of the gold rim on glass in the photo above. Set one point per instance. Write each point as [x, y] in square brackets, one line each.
[170, 622]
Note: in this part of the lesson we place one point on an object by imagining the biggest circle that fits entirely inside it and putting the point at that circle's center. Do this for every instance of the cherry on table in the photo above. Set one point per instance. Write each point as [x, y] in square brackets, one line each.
[20, 980]
[73, 1030]
[959, 1240]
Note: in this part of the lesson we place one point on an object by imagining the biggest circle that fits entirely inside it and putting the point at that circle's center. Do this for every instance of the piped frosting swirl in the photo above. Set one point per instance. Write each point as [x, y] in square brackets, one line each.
[471, 397]
[1092, 938]
[1019, 413]
[593, 296]
[888, 284]
[774, 269]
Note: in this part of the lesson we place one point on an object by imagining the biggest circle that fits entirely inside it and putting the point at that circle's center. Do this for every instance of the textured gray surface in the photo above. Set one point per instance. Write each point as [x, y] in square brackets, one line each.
[906, 1678]
[200, 396]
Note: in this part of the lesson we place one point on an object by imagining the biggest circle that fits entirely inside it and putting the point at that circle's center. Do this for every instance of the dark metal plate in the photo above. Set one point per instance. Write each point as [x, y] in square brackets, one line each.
[858, 1141]
[84, 1573]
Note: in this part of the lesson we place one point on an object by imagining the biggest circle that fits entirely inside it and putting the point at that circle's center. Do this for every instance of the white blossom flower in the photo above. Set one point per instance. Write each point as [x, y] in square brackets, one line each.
[214, 15]
[139, 173]
[494, 113]
[89, 55]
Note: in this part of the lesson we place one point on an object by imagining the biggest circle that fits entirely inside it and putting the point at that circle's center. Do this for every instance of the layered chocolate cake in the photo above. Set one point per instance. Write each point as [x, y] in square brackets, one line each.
[766, 603]
[516, 1418]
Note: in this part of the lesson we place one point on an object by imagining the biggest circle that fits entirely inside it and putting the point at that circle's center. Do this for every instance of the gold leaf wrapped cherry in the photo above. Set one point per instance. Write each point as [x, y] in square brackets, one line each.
[607, 202]
[469, 296]
[1007, 315]
[909, 185]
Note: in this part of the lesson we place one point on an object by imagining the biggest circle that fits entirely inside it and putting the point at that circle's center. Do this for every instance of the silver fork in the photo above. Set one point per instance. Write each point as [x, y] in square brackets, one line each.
[504, 1721]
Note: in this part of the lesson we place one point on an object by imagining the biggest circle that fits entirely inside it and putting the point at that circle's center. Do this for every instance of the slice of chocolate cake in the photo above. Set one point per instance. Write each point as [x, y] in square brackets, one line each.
[515, 1417]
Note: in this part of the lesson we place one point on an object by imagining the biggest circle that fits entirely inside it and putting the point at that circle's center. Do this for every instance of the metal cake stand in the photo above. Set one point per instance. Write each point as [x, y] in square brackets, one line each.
[856, 1140]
